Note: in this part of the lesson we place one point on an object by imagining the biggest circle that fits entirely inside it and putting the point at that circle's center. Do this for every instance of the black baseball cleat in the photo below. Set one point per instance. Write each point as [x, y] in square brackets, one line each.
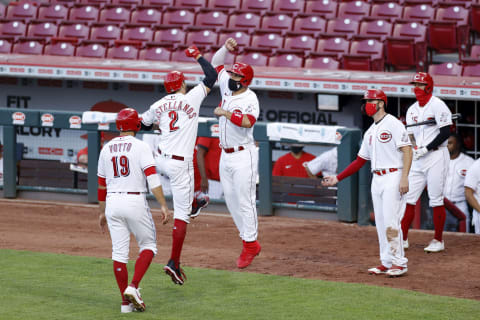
[197, 206]
[177, 274]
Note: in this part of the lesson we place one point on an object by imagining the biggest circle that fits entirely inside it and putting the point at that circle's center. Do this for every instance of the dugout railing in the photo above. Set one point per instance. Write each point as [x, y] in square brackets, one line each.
[352, 194]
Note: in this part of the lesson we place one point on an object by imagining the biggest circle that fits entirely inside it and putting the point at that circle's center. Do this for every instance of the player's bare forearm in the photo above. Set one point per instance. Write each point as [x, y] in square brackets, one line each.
[472, 201]
[227, 114]
[407, 160]
[158, 193]
[101, 206]
[412, 140]
[201, 152]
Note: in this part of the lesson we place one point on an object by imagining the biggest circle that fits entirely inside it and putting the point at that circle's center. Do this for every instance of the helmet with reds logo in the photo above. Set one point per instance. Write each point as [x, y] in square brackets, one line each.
[173, 81]
[375, 94]
[128, 120]
[243, 70]
[423, 78]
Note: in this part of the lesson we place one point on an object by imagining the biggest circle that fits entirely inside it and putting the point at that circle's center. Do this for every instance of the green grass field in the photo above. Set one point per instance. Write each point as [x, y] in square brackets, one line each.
[51, 286]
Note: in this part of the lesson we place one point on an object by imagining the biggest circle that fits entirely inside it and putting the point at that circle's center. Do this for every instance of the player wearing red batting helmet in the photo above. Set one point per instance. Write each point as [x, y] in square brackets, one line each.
[128, 120]
[244, 72]
[174, 81]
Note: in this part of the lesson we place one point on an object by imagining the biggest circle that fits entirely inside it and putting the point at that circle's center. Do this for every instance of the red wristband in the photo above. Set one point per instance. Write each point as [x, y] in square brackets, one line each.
[102, 194]
[237, 118]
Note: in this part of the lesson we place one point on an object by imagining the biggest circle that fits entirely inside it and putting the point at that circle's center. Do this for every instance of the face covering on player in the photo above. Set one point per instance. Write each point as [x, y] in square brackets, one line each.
[370, 108]
[296, 150]
[234, 85]
[422, 96]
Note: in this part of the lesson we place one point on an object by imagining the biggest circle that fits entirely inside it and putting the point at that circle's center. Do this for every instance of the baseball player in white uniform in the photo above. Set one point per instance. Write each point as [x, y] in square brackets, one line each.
[152, 141]
[326, 163]
[430, 156]
[472, 193]
[177, 117]
[457, 170]
[388, 148]
[237, 114]
[125, 166]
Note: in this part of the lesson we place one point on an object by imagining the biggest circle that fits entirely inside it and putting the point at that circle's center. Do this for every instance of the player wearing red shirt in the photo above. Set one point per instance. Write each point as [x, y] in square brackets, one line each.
[293, 163]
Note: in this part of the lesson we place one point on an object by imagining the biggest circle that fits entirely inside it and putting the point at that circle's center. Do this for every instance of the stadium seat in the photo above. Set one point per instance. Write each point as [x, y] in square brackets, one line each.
[286, 60]
[259, 59]
[242, 37]
[445, 69]
[204, 38]
[28, 46]
[2, 10]
[422, 12]
[450, 30]
[102, 31]
[217, 19]
[321, 62]
[21, 10]
[388, 10]
[158, 3]
[98, 3]
[229, 58]
[135, 32]
[277, 22]
[146, 15]
[60, 47]
[364, 55]
[343, 26]
[335, 46]
[309, 23]
[407, 47]
[130, 3]
[92, 49]
[85, 13]
[355, 10]
[475, 17]
[191, 4]
[244, 20]
[471, 70]
[13, 28]
[267, 40]
[324, 8]
[256, 5]
[123, 50]
[180, 18]
[154, 53]
[73, 30]
[114, 14]
[475, 51]
[173, 36]
[289, 6]
[42, 29]
[6, 44]
[53, 11]
[378, 28]
[224, 4]
[300, 42]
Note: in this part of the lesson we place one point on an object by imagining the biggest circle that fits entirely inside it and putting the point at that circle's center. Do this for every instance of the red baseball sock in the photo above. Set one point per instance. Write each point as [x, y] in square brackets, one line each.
[178, 235]
[439, 216]
[121, 275]
[141, 266]
[407, 219]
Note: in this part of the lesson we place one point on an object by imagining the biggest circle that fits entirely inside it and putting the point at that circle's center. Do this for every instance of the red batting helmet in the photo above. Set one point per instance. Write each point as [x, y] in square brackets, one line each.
[128, 120]
[173, 81]
[243, 70]
[423, 78]
[375, 94]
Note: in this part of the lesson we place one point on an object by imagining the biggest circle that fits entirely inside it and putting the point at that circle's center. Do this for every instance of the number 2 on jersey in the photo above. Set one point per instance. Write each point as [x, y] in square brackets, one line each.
[173, 115]
[124, 166]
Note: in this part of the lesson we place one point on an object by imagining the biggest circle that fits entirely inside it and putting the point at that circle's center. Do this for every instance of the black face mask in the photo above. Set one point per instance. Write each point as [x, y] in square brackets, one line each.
[234, 85]
[296, 150]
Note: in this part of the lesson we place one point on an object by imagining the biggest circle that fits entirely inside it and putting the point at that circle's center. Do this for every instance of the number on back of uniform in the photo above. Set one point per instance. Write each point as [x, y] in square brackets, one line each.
[173, 115]
[122, 164]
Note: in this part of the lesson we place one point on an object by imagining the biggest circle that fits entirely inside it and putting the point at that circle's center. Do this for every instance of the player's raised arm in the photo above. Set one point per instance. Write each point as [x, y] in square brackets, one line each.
[218, 58]
[208, 69]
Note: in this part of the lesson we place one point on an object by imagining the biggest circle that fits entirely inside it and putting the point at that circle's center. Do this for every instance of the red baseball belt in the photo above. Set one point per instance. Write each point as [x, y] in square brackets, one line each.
[172, 156]
[384, 171]
[234, 149]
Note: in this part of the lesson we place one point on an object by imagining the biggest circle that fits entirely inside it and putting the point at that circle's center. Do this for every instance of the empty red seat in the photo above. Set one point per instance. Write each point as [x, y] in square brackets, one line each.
[87, 13]
[217, 19]
[242, 37]
[28, 46]
[445, 69]
[137, 33]
[300, 42]
[244, 20]
[95, 2]
[343, 25]
[224, 4]
[423, 12]
[475, 14]
[115, 14]
[6, 44]
[452, 13]
[355, 10]
[471, 70]
[229, 58]
[21, 10]
[202, 38]
[321, 62]
[414, 30]
[178, 17]
[43, 29]
[475, 51]
[277, 22]
[91, 49]
[450, 31]
[169, 36]
[365, 55]
[292, 6]
[2, 10]
[73, 30]
[122, 50]
[146, 15]
[253, 58]
[378, 28]
[388, 10]
[154, 53]
[256, 5]
[55, 11]
[335, 46]
[267, 40]
[324, 8]
[309, 23]
[130, 3]
[158, 3]
[407, 47]
[101, 31]
[13, 28]
[286, 60]
[194, 4]
[60, 47]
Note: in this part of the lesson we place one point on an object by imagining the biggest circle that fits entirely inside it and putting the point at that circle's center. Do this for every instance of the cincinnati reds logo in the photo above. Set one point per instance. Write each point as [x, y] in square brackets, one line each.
[463, 172]
[75, 122]
[19, 116]
[385, 136]
[431, 118]
[47, 120]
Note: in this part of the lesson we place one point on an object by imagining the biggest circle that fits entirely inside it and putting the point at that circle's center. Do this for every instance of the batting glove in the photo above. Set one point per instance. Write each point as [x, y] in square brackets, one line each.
[192, 52]
[419, 152]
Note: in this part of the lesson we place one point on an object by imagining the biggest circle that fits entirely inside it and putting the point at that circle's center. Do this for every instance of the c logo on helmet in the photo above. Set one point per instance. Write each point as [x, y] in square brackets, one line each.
[385, 136]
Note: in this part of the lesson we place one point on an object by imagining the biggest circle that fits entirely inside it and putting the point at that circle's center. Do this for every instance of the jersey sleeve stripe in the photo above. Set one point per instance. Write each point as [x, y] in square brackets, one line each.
[150, 170]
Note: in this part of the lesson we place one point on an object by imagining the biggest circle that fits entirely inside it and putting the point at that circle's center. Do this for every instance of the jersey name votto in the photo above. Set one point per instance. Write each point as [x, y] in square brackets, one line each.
[120, 147]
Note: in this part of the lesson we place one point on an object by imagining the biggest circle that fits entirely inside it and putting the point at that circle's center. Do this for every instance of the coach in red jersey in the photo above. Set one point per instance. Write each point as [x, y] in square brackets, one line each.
[293, 163]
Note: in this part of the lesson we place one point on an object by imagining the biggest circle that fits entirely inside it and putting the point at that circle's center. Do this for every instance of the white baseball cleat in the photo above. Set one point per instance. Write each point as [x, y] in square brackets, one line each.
[396, 271]
[435, 246]
[378, 270]
[405, 244]
[127, 308]
[133, 295]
